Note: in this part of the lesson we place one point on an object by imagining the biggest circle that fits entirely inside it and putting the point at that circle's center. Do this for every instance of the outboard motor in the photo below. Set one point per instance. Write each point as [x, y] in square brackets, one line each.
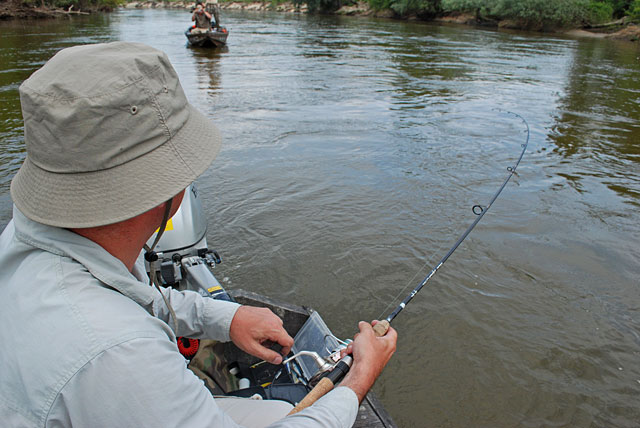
[184, 260]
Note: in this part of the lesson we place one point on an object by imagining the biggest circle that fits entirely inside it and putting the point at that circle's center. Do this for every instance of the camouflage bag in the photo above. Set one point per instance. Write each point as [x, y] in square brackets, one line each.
[210, 365]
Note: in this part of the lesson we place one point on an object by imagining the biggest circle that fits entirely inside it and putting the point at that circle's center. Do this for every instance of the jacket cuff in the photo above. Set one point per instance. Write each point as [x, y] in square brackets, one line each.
[218, 315]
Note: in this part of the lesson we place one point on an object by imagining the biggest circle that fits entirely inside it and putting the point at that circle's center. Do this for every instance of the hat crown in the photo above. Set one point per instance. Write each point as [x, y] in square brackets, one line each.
[95, 107]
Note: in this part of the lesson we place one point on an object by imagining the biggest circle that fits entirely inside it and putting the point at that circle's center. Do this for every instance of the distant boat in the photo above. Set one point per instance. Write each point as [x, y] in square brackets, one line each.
[214, 38]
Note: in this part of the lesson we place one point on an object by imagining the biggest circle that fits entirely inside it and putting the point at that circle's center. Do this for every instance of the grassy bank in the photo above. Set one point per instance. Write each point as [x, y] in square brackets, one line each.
[556, 15]
[25, 9]
[602, 16]
[547, 15]
[542, 15]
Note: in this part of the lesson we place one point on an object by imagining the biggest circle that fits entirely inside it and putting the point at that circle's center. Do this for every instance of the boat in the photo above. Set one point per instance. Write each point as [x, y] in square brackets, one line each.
[214, 38]
[186, 263]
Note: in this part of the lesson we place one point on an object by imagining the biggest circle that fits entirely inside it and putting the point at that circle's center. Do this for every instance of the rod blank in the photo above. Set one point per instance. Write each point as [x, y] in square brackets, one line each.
[479, 211]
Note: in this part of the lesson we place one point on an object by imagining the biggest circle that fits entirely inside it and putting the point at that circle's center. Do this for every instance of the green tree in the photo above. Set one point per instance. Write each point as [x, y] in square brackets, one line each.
[380, 4]
[420, 8]
[543, 13]
[634, 10]
[320, 6]
[78, 4]
[600, 12]
[464, 5]
[620, 7]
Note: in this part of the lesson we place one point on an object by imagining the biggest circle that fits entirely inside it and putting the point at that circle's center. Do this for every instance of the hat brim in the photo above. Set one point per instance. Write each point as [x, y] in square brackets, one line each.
[108, 196]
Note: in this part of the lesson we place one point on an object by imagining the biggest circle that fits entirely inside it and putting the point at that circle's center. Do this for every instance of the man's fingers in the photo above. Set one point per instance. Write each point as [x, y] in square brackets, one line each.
[255, 329]
[365, 328]
[281, 337]
[346, 351]
[284, 340]
[266, 354]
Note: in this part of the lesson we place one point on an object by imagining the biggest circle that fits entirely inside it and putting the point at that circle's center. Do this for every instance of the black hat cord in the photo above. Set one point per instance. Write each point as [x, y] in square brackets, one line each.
[152, 257]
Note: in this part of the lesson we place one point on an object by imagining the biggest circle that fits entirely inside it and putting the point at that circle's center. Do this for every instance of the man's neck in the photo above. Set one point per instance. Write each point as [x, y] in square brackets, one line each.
[124, 240]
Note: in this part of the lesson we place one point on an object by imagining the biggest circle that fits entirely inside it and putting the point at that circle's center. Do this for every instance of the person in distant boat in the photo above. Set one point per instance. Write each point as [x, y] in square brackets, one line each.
[112, 143]
[202, 19]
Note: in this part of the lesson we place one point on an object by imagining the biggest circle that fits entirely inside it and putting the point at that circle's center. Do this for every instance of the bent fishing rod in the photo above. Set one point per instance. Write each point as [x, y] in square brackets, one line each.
[327, 383]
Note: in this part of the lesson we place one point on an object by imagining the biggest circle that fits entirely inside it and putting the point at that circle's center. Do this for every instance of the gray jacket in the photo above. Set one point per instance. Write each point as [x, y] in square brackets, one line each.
[86, 343]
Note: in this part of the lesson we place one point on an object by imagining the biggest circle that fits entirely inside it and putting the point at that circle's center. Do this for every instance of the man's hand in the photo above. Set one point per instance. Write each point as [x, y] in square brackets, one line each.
[252, 326]
[370, 355]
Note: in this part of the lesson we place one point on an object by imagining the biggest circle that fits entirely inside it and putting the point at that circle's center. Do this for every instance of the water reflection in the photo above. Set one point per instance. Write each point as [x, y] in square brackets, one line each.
[24, 47]
[597, 120]
[208, 64]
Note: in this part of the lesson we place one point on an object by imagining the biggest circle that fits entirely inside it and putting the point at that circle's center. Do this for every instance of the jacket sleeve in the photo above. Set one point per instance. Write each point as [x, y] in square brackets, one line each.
[198, 317]
[338, 408]
[141, 382]
[144, 382]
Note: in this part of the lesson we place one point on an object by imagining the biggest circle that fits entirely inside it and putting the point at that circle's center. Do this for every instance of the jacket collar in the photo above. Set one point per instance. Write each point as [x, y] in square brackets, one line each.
[102, 265]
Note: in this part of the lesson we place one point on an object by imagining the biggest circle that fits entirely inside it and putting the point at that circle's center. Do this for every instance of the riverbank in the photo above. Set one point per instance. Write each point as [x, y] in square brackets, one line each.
[358, 9]
[15, 9]
[622, 31]
[288, 7]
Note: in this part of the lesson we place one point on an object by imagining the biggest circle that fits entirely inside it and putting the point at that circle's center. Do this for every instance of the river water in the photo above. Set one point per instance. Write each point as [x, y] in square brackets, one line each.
[354, 151]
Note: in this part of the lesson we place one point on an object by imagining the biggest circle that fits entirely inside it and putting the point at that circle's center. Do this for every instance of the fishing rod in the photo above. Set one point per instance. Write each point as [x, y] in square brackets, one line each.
[381, 328]
[479, 211]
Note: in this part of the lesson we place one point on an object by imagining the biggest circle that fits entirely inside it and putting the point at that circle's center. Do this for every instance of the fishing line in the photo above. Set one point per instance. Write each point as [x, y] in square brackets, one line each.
[327, 382]
[479, 211]
[410, 282]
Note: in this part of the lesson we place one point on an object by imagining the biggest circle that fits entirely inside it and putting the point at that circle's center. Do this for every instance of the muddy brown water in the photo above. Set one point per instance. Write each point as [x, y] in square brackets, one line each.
[354, 150]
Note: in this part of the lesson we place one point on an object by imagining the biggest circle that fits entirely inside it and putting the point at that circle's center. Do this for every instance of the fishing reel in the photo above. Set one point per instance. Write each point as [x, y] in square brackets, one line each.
[315, 353]
[324, 364]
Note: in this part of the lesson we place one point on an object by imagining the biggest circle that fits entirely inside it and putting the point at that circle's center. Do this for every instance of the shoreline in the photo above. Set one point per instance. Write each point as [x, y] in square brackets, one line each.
[12, 9]
[257, 6]
[16, 10]
[630, 32]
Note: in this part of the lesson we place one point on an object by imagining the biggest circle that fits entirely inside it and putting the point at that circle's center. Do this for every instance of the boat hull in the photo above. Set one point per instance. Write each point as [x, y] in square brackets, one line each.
[210, 39]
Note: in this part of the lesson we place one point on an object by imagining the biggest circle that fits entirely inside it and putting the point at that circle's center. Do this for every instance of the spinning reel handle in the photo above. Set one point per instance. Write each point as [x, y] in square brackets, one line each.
[327, 383]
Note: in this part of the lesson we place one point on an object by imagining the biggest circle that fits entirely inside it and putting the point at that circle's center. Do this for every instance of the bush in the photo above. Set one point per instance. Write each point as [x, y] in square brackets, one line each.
[620, 7]
[320, 6]
[77, 4]
[634, 10]
[463, 5]
[380, 4]
[529, 13]
[543, 13]
[600, 12]
[421, 8]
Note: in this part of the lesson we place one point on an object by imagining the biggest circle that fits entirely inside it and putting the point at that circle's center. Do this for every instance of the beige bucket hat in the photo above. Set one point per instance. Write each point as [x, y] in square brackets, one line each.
[109, 135]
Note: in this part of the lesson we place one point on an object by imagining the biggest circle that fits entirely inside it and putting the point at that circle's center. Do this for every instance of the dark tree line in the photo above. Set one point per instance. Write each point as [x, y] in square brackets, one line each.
[528, 13]
[73, 4]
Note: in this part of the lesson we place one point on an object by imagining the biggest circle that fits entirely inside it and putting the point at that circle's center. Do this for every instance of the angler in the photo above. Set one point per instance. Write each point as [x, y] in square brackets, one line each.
[112, 144]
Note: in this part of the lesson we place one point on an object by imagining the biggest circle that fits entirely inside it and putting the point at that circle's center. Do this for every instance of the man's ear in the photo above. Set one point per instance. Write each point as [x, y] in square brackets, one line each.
[176, 201]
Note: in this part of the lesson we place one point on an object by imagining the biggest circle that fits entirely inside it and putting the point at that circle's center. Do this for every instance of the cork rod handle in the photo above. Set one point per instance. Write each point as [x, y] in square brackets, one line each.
[325, 385]
[381, 328]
